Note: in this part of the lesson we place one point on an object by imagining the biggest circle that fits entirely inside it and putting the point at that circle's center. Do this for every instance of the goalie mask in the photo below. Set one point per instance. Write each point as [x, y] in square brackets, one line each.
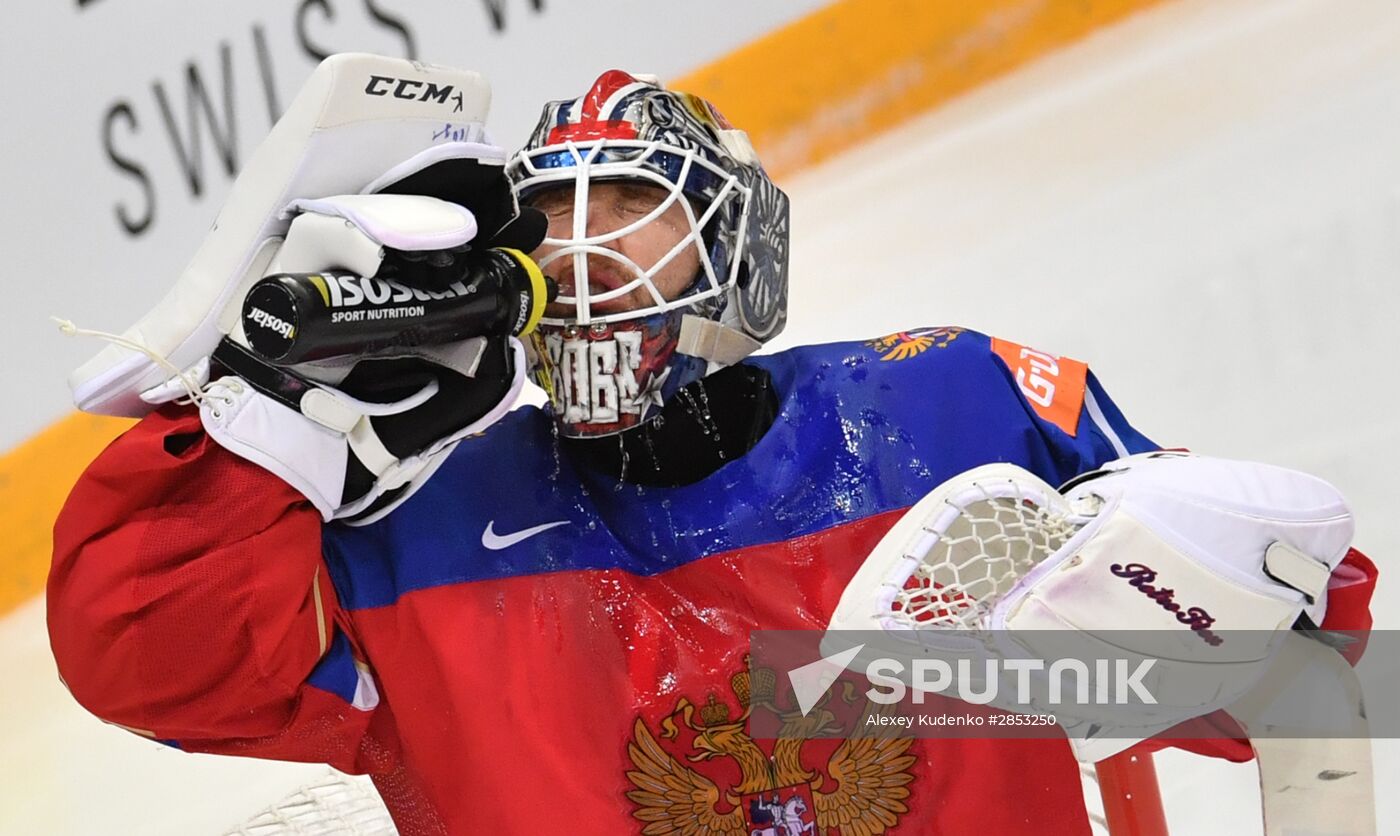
[668, 241]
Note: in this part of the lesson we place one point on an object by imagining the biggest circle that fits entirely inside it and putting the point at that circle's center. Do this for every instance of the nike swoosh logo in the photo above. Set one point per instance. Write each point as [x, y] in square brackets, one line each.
[495, 542]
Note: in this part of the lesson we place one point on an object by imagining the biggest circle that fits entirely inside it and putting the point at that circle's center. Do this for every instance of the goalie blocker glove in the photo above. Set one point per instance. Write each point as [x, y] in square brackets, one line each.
[353, 433]
[358, 432]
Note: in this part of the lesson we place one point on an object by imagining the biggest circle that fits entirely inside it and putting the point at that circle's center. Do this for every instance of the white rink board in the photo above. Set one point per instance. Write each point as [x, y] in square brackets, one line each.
[1204, 203]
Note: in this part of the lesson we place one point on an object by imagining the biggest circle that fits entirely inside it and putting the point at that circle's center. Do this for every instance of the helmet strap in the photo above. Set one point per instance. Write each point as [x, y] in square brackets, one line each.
[709, 340]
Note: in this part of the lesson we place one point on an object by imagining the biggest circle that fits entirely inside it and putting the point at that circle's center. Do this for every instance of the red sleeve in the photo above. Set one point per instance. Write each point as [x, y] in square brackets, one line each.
[1349, 592]
[188, 601]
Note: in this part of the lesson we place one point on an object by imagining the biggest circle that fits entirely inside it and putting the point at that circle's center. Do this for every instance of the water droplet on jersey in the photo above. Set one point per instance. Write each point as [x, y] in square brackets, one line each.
[556, 451]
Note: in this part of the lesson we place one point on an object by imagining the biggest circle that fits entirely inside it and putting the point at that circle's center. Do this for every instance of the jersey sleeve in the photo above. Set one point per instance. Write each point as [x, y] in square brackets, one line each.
[1077, 420]
[188, 602]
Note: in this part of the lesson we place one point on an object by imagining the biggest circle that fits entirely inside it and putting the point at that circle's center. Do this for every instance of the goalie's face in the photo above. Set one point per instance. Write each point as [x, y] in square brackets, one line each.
[623, 252]
[640, 249]
[660, 219]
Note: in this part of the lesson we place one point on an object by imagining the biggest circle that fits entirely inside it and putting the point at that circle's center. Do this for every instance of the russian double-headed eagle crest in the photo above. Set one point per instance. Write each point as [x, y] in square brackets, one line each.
[902, 345]
[860, 789]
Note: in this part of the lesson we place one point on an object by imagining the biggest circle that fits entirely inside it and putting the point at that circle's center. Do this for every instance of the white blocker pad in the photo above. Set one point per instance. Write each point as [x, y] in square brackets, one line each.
[357, 117]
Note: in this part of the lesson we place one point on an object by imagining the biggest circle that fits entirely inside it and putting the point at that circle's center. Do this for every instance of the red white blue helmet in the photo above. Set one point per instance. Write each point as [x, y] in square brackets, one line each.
[606, 371]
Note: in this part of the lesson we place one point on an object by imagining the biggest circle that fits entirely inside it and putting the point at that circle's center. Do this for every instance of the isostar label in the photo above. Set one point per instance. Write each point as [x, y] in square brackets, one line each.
[271, 322]
[353, 291]
[522, 315]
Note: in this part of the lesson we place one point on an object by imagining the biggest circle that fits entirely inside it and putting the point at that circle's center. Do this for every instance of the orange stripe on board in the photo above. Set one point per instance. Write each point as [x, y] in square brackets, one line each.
[35, 478]
[804, 92]
[858, 67]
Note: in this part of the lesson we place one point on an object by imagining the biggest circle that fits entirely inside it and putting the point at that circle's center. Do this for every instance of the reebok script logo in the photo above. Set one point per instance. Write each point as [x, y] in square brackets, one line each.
[495, 542]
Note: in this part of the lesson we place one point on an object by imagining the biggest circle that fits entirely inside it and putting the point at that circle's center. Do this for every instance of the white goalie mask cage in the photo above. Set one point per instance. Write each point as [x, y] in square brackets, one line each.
[721, 205]
[630, 127]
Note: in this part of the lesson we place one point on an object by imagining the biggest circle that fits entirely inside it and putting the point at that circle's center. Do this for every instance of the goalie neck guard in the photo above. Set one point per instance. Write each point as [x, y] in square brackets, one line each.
[608, 369]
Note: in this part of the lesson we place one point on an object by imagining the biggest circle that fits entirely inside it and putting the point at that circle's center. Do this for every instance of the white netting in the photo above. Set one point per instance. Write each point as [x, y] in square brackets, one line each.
[998, 533]
[340, 805]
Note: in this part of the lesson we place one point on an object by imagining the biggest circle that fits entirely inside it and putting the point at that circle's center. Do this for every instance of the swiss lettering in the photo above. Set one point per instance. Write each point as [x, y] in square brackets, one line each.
[495, 11]
[190, 150]
[202, 113]
[133, 224]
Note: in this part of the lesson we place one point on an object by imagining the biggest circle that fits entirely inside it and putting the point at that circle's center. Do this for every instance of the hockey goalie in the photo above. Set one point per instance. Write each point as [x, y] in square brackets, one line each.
[536, 620]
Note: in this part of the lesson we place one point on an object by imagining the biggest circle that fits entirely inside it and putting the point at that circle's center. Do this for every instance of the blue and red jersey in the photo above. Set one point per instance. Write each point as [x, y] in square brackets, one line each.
[527, 646]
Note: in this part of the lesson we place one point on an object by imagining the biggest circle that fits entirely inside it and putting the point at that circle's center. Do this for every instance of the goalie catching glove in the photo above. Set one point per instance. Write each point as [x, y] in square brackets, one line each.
[1188, 543]
[1204, 560]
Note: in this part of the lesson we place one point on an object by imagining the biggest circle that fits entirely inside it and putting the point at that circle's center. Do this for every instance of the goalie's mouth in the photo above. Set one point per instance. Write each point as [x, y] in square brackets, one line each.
[600, 281]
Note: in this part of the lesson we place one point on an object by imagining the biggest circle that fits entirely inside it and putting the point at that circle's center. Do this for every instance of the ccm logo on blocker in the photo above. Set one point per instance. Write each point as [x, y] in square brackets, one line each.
[406, 88]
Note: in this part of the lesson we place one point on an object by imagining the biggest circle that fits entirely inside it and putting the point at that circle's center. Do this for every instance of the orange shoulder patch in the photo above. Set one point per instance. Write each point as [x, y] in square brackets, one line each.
[1053, 385]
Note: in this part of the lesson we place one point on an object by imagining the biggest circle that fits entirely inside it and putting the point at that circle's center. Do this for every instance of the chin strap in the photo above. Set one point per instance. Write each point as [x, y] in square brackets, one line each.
[709, 340]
